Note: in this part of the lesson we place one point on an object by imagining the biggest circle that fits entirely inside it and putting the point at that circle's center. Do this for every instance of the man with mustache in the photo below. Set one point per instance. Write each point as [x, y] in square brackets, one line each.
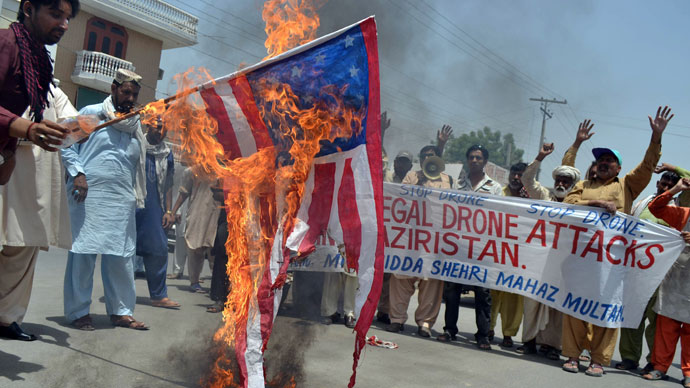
[542, 324]
[26, 78]
[106, 181]
[612, 194]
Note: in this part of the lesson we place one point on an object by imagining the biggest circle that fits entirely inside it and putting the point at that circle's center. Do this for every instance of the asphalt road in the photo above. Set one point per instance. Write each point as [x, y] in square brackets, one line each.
[176, 351]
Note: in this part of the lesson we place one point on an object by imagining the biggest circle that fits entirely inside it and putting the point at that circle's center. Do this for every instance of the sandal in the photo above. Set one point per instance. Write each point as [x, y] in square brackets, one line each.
[526, 349]
[165, 303]
[627, 365]
[595, 370]
[655, 375]
[214, 308]
[507, 342]
[84, 323]
[446, 337]
[585, 356]
[553, 354]
[127, 321]
[483, 344]
[572, 366]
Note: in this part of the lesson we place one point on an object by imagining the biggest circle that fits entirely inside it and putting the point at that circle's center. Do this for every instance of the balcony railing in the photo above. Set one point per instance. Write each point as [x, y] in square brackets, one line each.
[97, 70]
[155, 16]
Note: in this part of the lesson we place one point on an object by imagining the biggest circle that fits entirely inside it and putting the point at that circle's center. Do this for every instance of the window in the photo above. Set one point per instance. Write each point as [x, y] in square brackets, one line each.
[105, 37]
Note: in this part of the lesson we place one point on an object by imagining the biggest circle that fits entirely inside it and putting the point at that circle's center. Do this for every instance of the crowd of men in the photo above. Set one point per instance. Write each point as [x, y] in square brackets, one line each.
[111, 194]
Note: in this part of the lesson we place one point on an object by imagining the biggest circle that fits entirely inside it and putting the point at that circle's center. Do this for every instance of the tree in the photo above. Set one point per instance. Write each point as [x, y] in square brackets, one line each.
[492, 140]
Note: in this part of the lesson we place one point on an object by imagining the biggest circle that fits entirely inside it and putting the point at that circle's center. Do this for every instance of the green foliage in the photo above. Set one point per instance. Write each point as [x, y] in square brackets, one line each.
[492, 140]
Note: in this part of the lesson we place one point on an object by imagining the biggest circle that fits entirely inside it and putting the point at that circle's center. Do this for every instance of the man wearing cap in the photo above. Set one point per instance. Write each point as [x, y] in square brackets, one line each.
[478, 181]
[542, 324]
[612, 194]
[402, 287]
[106, 182]
[401, 166]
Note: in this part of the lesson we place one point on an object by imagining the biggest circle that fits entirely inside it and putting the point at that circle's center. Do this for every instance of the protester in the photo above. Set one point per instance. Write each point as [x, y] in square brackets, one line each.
[152, 242]
[612, 194]
[107, 180]
[26, 72]
[630, 345]
[478, 181]
[220, 283]
[507, 304]
[33, 216]
[542, 324]
[673, 302]
[180, 257]
[201, 222]
[401, 166]
[335, 284]
[403, 287]
[684, 197]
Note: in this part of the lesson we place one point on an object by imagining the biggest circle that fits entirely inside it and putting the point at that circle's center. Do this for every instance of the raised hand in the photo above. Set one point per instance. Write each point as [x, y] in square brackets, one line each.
[663, 167]
[662, 118]
[583, 131]
[546, 150]
[385, 123]
[683, 184]
[443, 136]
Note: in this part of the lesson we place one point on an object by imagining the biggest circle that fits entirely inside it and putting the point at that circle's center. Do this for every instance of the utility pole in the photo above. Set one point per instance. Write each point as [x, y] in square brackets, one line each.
[545, 113]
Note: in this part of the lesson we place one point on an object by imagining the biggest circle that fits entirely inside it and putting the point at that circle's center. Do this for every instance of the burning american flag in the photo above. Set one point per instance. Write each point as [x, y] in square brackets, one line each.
[301, 139]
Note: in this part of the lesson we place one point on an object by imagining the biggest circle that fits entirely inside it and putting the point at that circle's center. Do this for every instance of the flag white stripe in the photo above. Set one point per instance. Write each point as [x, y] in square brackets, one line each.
[240, 125]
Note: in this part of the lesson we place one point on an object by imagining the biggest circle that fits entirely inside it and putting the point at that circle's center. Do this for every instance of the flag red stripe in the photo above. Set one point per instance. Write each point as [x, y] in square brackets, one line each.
[245, 98]
[349, 216]
[320, 206]
[373, 125]
[226, 134]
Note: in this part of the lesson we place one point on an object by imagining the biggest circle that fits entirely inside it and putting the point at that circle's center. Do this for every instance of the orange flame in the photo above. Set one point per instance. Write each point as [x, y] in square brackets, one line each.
[260, 193]
[289, 23]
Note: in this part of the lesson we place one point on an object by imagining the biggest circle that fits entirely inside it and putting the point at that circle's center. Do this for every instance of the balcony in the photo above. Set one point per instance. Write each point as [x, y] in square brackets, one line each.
[155, 18]
[97, 70]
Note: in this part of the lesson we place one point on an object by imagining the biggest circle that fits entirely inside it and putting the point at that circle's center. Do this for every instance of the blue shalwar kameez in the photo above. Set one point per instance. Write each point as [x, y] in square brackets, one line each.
[152, 243]
[104, 223]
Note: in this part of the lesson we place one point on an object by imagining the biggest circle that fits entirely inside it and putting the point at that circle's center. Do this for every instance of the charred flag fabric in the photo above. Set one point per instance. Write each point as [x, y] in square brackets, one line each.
[343, 193]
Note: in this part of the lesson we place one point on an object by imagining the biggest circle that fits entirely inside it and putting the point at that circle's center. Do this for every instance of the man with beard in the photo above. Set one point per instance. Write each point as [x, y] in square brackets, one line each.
[612, 194]
[506, 304]
[152, 242]
[106, 180]
[542, 324]
[478, 181]
[630, 345]
[26, 74]
[403, 287]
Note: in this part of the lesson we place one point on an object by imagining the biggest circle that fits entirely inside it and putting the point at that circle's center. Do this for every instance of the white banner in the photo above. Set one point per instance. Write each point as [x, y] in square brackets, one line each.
[595, 266]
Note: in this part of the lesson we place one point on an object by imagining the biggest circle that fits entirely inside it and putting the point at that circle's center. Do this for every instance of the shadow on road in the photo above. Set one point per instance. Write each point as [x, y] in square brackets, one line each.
[12, 367]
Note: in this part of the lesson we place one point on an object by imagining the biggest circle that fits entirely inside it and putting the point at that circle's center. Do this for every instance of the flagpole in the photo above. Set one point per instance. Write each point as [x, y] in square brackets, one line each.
[137, 111]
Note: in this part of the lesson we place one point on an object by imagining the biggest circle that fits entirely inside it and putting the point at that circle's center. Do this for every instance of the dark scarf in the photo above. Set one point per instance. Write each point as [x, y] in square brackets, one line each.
[37, 67]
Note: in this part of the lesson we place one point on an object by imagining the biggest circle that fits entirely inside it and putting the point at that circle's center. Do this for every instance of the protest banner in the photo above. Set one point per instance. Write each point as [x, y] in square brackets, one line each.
[595, 266]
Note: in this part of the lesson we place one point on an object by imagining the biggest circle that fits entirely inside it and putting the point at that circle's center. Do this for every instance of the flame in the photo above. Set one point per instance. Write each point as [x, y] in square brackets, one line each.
[289, 23]
[265, 189]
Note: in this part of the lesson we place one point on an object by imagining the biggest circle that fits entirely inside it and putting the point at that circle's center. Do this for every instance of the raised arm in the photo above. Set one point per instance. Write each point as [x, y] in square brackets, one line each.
[583, 134]
[675, 216]
[638, 178]
[535, 189]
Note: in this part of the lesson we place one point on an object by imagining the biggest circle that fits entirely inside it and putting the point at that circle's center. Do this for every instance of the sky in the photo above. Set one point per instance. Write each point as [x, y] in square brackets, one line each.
[476, 63]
